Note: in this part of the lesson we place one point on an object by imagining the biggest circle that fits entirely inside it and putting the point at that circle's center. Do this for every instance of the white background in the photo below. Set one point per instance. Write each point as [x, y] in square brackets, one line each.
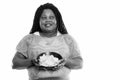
[94, 24]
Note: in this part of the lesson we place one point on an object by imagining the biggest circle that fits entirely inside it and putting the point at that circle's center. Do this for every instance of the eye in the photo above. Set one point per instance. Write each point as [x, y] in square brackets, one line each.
[51, 17]
[43, 17]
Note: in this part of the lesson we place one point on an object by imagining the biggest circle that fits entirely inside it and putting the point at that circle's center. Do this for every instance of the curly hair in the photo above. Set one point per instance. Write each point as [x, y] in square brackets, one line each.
[60, 24]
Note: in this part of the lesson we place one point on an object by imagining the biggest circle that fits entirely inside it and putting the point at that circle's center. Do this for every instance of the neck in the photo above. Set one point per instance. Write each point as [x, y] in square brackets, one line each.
[49, 34]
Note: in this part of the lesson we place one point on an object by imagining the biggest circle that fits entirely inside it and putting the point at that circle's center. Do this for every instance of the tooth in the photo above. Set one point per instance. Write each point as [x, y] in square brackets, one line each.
[48, 24]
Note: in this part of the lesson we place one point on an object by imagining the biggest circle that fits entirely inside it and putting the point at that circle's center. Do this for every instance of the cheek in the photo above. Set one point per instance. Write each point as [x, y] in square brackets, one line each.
[55, 22]
[42, 22]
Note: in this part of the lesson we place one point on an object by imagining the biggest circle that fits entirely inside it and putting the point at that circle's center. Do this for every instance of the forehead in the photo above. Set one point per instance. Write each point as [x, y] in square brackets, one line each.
[47, 12]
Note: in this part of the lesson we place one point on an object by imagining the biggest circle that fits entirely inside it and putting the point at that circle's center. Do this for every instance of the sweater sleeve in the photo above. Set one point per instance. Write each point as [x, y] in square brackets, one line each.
[75, 59]
[73, 47]
[22, 46]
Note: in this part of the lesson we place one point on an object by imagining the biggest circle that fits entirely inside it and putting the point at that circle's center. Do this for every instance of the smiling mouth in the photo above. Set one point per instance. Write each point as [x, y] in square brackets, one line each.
[48, 24]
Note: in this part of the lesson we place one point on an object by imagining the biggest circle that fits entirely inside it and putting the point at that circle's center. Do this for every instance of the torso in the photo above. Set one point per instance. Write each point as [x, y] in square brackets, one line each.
[40, 44]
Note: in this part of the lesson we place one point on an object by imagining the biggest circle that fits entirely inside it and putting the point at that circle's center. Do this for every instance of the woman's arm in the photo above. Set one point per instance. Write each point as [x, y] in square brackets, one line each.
[21, 59]
[21, 62]
[74, 61]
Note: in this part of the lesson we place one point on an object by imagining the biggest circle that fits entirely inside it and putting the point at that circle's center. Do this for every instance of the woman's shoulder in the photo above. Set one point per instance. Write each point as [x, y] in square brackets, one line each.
[28, 37]
[67, 37]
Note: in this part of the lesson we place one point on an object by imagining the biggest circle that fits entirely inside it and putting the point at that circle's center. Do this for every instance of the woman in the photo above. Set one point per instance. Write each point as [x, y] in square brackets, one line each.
[51, 54]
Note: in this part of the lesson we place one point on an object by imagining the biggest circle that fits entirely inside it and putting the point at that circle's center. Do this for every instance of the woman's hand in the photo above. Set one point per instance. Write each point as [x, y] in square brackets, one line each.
[35, 62]
[21, 62]
[60, 65]
[74, 63]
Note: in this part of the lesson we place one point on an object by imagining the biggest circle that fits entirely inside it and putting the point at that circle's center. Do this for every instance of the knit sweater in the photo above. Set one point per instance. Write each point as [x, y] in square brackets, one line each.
[33, 45]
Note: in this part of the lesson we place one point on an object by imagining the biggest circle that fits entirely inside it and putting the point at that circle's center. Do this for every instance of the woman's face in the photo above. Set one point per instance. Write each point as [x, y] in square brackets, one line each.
[48, 20]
